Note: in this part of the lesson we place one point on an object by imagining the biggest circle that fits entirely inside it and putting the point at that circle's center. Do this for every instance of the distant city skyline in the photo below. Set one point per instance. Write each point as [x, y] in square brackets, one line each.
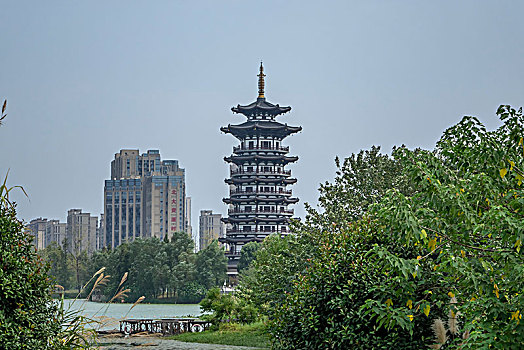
[165, 74]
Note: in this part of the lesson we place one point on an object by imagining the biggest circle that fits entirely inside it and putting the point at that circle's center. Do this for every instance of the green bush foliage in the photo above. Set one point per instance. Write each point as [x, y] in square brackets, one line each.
[313, 285]
[28, 316]
[227, 308]
[325, 307]
[466, 220]
[425, 243]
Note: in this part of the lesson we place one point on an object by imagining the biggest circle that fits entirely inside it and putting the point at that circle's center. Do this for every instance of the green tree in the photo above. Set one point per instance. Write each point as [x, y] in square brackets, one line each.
[362, 179]
[182, 261]
[28, 316]
[159, 268]
[466, 219]
[77, 259]
[247, 255]
[57, 259]
[211, 266]
[312, 285]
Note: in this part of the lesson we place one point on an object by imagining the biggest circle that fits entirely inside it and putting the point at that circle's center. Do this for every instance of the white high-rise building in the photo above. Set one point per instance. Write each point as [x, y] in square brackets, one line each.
[81, 229]
[145, 197]
[211, 228]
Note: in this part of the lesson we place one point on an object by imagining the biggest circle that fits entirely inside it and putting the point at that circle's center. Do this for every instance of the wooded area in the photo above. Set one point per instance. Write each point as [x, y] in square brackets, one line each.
[162, 271]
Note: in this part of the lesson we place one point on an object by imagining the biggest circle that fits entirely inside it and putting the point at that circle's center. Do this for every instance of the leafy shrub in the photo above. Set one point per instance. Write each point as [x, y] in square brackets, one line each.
[227, 308]
[28, 316]
[384, 273]
[467, 220]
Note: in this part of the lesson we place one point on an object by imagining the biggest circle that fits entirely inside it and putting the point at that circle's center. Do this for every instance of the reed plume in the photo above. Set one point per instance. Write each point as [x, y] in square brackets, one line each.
[440, 333]
[122, 293]
[104, 280]
[452, 322]
[138, 301]
[98, 280]
[124, 278]
[92, 277]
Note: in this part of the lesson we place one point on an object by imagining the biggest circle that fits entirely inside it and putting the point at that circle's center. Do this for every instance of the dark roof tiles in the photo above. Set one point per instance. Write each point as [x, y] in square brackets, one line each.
[260, 106]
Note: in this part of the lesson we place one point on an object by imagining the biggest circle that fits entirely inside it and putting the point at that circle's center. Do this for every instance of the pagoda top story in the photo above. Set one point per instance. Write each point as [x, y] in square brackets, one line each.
[260, 107]
[261, 117]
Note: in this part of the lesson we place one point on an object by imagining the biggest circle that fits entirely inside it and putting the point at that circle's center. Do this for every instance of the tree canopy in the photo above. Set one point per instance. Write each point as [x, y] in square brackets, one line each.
[406, 247]
[157, 269]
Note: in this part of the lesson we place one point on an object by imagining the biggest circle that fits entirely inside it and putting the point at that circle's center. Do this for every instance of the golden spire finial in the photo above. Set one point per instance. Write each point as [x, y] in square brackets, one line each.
[261, 76]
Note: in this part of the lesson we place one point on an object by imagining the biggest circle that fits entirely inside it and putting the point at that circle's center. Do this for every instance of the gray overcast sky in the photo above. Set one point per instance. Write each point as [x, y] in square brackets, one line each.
[84, 79]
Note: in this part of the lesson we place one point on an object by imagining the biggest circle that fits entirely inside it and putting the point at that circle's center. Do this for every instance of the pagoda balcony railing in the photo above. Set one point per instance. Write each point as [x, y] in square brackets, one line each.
[264, 172]
[260, 191]
[261, 211]
[261, 148]
[240, 230]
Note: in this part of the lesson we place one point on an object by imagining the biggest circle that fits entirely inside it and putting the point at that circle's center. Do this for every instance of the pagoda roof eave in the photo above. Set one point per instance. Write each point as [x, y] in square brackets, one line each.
[288, 200]
[260, 106]
[261, 180]
[275, 159]
[261, 128]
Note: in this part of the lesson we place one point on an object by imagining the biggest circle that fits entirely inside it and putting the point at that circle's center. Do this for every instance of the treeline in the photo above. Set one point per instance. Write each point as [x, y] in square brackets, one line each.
[420, 249]
[161, 270]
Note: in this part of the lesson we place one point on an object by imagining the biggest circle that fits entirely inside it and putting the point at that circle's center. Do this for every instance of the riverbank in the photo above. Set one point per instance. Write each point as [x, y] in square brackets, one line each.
[252, 335]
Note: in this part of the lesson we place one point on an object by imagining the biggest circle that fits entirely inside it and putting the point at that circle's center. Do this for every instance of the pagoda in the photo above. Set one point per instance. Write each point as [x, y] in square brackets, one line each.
[258, 195]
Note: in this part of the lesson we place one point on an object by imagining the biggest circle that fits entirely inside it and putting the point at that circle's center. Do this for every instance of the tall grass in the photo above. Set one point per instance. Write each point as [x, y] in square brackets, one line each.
[80, 331]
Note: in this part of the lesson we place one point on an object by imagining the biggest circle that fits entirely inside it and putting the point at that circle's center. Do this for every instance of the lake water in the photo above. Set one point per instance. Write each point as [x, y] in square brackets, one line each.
[110, 314]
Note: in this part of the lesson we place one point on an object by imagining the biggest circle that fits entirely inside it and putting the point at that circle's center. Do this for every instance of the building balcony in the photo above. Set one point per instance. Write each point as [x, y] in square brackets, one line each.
[241, 231]
[260, 192]
[261, 148]
[260, 172]
[260, 211]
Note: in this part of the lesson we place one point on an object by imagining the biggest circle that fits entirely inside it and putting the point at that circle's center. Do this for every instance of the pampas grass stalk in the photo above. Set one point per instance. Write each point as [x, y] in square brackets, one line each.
[92, 277]
[138, 301]
[452, 322]
[124, 278]
[100, 278]
[122, 293]
[440, 331]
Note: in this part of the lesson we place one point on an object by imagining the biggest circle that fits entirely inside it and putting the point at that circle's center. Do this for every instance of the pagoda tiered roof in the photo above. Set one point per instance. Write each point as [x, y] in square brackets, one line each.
[262, 128]
[255, 219]
[287, 200]
[254, 157]
[286, 181]
[260, 107]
